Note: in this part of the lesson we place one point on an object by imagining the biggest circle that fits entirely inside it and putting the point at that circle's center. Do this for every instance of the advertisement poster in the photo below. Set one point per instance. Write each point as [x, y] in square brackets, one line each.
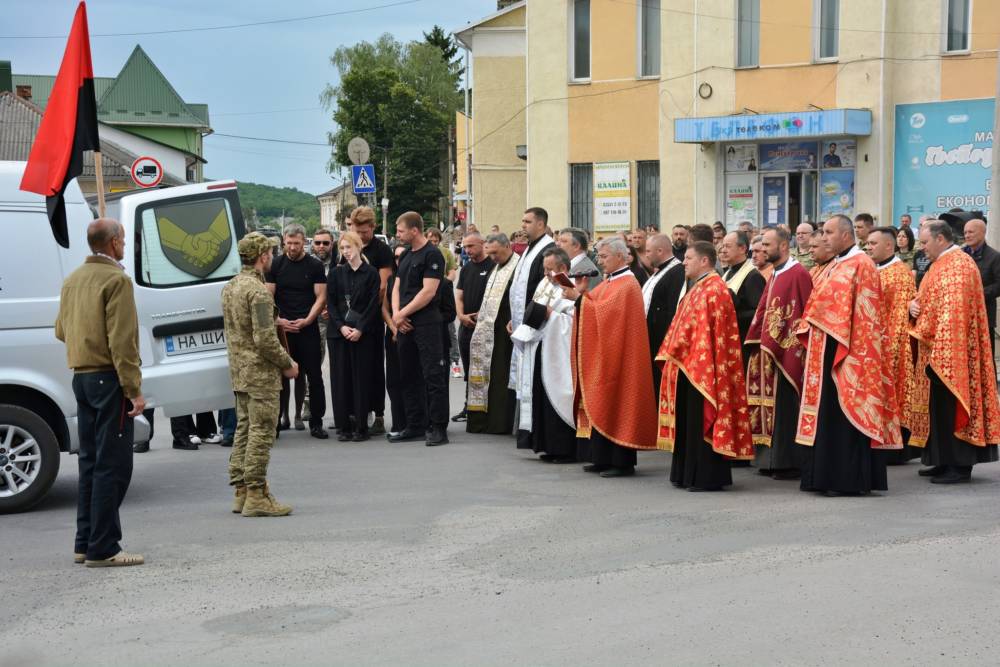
[741, 157]
[943, 156]
[612, 197]
[741, 202]
[836, 194]
[788, 156]
[840, 153]
[773, 188]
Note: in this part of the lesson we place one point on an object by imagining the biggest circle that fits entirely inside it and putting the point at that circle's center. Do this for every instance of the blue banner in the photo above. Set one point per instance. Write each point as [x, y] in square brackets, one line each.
[836, 193]
[943, 156]
[790, 156]
[791, 125]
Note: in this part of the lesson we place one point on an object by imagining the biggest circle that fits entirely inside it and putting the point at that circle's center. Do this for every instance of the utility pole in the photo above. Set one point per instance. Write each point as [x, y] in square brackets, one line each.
[993, 230]
[385, 193]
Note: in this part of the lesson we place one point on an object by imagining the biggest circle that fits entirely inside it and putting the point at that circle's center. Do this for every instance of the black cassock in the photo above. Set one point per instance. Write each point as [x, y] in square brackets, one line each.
[943, 448]
[662, 307]
[353, 301]
[695, 464]
[841, 458]
[746, 299]
[783, 454]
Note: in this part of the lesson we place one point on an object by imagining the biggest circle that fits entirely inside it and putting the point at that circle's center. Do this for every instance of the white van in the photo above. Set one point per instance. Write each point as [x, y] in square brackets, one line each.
[178, 284]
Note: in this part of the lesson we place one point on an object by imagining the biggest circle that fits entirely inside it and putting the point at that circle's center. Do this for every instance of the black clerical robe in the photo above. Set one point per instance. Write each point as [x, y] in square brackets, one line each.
[662, 306]
[746, 297]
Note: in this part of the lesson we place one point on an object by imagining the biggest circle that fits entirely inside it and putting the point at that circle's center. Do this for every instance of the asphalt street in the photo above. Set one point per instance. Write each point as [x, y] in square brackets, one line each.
[476, 553]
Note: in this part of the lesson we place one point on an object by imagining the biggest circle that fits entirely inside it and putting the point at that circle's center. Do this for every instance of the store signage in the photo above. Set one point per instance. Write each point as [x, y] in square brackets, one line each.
[788, 156]
[943, 157]
[612, 197]
[754, 127]
[741, 202]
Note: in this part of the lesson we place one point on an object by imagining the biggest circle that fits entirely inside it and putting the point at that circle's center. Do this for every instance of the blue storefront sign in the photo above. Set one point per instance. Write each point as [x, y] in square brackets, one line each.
[943, 156]
[755, 127]
[788, 156]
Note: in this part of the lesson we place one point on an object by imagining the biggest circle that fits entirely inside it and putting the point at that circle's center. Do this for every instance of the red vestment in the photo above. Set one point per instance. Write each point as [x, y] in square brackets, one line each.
[704, 343]
[820, 273]
[774, 346]
[954, 341]
[613, 383]
[846, 307]
[898, 290]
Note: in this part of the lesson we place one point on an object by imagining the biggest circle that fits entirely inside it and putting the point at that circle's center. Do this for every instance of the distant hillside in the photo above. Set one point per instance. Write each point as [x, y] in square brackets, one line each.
[270, 202]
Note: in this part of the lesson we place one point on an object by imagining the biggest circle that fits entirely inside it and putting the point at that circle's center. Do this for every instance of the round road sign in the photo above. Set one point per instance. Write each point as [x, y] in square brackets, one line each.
[358, 150]
[147, 172]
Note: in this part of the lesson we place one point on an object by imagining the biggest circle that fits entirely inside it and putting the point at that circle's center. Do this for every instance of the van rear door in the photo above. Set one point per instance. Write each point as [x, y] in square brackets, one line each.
[184, 253]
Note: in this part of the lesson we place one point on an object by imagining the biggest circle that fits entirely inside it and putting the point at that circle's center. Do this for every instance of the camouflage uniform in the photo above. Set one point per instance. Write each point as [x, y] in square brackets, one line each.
[256, 358]
[803, 257]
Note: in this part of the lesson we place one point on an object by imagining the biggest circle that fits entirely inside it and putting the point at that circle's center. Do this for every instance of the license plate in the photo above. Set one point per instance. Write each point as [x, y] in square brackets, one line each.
[197, 342]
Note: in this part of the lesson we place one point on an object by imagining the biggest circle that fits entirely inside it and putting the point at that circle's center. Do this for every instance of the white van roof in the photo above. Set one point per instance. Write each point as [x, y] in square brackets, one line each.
[10, 187]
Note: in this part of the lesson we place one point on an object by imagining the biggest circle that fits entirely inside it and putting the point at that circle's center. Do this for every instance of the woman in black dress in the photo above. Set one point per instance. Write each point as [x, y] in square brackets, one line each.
[353, 304]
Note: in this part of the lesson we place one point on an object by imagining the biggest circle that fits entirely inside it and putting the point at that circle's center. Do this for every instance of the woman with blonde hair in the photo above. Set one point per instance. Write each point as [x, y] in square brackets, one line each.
[355, 315]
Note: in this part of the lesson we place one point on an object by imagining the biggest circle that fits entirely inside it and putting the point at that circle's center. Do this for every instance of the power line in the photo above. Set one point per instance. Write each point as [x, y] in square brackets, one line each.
[257, 113]
[233, 26]
[270, 140]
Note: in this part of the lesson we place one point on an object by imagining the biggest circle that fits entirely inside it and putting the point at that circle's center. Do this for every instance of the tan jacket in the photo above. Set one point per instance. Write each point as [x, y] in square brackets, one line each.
[97, 321]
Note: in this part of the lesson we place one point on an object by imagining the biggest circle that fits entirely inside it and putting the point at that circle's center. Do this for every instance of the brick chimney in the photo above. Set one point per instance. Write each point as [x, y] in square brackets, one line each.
[24, 92]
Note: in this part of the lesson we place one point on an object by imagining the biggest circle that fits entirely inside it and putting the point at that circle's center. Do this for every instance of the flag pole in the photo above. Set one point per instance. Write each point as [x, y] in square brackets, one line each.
[99, 173]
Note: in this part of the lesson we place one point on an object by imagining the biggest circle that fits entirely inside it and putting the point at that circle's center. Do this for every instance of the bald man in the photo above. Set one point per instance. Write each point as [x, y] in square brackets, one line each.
[660, 295]
[988, 261]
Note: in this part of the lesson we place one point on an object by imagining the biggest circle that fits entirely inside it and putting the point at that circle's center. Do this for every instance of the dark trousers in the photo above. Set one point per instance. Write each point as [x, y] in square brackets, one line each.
[378, 373]
[464, 347]
[393, 384]
[105, 462]
[424, 376]
[227, 423]
[201, 425]
[304, 348]
[351, 377]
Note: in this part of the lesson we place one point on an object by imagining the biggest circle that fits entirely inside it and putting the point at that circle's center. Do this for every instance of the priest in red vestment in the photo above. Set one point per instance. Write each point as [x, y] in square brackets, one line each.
[613, 392]
[703, 405]
[777, 360]
[898, 290]
[822, 258]
[848, 412]
[954, 410]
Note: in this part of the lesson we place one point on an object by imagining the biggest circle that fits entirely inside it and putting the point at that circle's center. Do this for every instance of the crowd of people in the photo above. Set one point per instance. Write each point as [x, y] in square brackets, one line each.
[821, 355]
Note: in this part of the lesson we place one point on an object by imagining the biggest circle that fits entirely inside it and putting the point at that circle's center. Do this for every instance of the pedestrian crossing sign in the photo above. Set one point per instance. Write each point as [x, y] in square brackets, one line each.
[363, 178]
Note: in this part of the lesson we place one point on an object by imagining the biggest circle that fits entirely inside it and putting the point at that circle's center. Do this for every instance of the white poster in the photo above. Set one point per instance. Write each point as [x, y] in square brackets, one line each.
[741, 199]
[840, 153]
[612, 197]
[741, 157]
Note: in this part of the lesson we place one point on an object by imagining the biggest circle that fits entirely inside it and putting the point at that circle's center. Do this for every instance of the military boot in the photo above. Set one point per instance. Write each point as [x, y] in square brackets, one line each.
[260, 502]
[239, 499]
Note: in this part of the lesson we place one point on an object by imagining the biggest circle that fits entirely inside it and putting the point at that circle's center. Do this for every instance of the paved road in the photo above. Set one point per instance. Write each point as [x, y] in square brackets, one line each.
[476, 553]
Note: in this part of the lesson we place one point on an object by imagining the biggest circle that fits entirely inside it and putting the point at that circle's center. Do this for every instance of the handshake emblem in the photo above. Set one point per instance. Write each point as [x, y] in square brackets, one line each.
[196, 252]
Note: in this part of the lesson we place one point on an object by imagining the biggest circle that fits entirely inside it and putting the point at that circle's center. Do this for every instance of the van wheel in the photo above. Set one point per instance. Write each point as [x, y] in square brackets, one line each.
[29, 458]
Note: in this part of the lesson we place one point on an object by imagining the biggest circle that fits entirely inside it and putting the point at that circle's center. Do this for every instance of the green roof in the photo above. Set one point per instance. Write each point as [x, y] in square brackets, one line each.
[139, 95]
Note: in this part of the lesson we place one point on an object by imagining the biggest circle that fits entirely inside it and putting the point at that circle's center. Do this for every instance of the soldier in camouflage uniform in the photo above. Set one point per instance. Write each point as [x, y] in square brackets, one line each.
[256, 363]
[803, 244]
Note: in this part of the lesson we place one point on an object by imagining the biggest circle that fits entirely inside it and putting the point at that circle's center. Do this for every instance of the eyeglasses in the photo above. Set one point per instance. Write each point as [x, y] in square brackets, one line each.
[321, 243]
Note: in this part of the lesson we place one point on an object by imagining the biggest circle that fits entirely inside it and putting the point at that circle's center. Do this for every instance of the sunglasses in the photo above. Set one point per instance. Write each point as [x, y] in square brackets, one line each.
[321, 243]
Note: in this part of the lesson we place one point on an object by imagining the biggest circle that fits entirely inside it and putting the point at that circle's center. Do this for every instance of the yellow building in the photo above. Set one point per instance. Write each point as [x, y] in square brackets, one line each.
[496, 135]
[770, 110]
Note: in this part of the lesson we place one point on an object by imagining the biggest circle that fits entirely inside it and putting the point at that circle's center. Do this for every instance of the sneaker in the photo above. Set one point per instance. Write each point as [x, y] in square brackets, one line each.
[214, 439]
[194, 440]
[139, 448]
[456, 370]
[121, 559]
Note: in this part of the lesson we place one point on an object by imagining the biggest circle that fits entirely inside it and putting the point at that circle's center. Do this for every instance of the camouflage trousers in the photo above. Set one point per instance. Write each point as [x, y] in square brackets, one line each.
[322, 360]
[256, 421]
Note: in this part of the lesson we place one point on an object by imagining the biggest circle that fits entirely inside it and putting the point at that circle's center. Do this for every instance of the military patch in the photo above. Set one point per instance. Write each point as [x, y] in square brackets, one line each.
[434, 266]
[195, 236]
[263, 315]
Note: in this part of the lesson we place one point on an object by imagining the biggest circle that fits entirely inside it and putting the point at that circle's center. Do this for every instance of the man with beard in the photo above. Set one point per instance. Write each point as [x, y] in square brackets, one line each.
[954, 407]
[469, 297]
[679, 237]
[323, 250]
[660, 295]
[490, 402]
[848, 411]
[702, 407]
[774, 372]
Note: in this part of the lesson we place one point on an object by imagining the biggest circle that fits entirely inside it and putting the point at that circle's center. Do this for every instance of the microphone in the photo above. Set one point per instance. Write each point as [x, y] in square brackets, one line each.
[586, 274]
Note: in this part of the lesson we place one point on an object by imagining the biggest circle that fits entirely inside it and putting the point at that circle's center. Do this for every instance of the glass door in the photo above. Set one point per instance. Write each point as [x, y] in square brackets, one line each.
[774, 199]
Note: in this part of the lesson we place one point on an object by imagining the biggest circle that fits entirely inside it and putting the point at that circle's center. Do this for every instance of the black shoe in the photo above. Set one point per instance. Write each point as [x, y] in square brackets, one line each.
[378, 426]
[299, 425]
[594, 467]
[319, 432]
[696, 489]
[461, 416]
[360, 437]
[562, 459]
[437, 436]
[284, 424]
[933, 471]
[188, 446]
[953, 476]
[226, 442]
[140, 447]
[786, 474]
[548, 458]
[409, 435]
[344, 436]
[618, 472]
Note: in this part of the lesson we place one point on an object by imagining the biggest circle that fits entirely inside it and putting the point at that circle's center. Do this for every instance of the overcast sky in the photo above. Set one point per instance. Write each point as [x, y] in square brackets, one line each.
[261, 81]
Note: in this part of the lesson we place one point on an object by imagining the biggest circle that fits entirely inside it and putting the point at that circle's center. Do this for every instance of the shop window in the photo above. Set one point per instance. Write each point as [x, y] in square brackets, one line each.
[580, 40]
[958, 15]
[827, 28]
[581, 193]
[748, 33]
[649, 38]
[649, 193]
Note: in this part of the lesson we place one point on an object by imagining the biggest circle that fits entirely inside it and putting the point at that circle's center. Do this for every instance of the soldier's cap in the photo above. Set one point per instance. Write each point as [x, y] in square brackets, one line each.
[255, 244]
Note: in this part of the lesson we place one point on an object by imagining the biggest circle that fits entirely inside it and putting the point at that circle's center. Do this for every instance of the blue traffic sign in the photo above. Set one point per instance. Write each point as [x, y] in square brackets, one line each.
[363, 179]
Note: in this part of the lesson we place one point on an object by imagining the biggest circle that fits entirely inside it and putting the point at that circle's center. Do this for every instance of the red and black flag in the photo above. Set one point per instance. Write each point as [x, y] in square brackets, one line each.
[68, 128]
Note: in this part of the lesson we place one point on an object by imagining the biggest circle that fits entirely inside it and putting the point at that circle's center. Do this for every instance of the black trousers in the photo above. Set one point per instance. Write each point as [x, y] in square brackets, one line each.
[424, 375]
[351, 378]
[377, 384]
[304, 348]
[393, 384]
[105, 462]
[694, 462]
[202, 425]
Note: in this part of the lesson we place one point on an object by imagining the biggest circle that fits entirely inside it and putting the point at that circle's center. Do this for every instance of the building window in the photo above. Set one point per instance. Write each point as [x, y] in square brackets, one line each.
[957, 37]
[649, 193]
[748, 33]
[827, 27]
[581, 193]
[580, 42]
[649, 38]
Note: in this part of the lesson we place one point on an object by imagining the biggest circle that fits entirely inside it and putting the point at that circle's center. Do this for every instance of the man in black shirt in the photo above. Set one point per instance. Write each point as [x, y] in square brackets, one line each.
[469, 296]
[379, 256]
[416, 312]
[298, 283]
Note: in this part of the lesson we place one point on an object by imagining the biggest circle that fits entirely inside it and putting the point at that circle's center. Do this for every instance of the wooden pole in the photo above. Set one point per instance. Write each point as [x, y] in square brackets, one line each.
[99, 172]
